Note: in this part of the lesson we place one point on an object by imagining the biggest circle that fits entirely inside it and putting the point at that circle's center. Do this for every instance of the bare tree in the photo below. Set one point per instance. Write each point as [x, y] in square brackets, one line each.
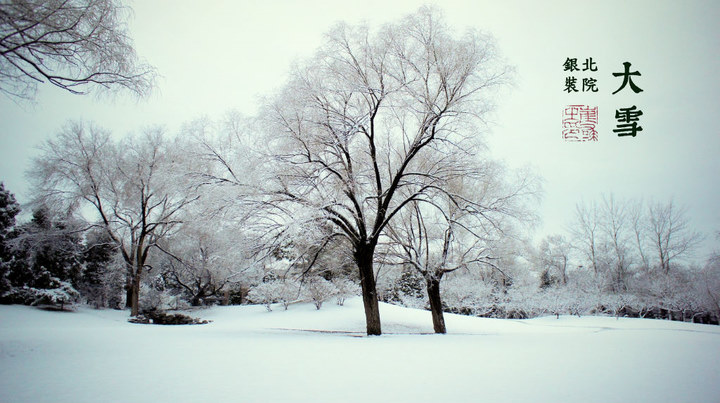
[370, 125]
[72, 44]
[458, 233]
[671, 235]
[205, 258]
[554, 254]
[587, 231]
[710, 276]
[639, 222]
[426, 241]
[133, 186]
[614, 225]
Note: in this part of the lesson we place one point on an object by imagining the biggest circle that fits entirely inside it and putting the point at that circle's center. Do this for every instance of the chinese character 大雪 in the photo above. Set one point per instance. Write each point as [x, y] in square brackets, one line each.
[627, 79]
[627, 121]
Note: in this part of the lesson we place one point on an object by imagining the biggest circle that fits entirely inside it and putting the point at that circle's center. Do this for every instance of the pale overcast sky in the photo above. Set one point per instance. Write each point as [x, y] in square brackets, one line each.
[214, 56]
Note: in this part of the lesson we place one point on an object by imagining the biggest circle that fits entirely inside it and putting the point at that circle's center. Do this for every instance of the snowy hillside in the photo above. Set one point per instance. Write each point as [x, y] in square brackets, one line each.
[250, 355]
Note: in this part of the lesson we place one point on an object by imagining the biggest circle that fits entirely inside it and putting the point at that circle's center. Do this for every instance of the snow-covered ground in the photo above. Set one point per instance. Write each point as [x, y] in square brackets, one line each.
[250, 355]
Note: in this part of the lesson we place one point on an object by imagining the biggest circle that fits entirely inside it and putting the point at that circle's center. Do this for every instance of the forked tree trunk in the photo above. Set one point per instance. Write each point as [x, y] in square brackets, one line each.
[433, 290]
[364, 260]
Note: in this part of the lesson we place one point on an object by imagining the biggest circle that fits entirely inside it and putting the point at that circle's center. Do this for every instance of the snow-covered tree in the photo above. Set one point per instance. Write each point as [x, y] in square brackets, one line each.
[442, 236]
[586, 234]
[375, 121]
[344, 289]
[554, 258]
[635, 251]
[103, 279]
[205, 259]
[708, 285]
[467, 293]
[616, 230]
[284, 291]
[72, 44]
[9, 209]
[671, 236]
[48, 260]
[136, 187]
[319, 290]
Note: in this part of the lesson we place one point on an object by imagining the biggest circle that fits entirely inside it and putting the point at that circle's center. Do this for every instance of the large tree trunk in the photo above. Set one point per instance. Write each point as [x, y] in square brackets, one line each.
[135, 299]
[433, 290]
[128, 290]
[135, 306]
[364, 260]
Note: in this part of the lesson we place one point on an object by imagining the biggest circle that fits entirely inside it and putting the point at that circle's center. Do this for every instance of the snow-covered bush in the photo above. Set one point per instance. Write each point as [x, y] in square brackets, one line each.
[42, 261]
[553, 300]
[319, 290]
[263, 293]
[154, 299]
[707, 284]
[344, 289]
[385, 284]
[59, 294]
[405, 287]
[283, 291]
[467, 295]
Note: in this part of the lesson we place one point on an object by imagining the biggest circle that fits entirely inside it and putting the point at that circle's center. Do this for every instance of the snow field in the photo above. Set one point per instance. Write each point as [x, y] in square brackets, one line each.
[303, 355]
